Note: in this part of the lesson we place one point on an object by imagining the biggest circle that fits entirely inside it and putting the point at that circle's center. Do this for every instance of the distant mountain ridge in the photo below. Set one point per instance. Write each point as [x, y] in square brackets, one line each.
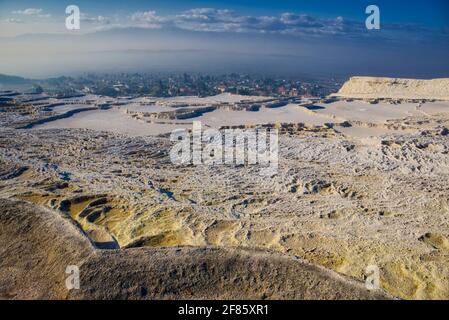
[394, 88]
[14, 80]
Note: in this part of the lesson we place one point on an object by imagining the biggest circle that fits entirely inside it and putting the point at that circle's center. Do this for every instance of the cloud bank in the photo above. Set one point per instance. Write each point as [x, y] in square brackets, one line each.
[288, 23]
[32, 12]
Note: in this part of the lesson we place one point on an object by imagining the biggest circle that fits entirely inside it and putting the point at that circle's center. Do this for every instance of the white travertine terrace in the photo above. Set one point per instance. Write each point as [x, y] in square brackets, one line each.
[394, 88]
[359, 183]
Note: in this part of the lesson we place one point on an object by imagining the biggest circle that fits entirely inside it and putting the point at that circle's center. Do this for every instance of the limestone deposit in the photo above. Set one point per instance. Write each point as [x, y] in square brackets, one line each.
[395, 88]
[366, 185]
[33, 265]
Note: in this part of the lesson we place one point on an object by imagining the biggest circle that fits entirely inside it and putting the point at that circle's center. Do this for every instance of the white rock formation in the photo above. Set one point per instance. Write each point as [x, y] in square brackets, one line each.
[393, 88]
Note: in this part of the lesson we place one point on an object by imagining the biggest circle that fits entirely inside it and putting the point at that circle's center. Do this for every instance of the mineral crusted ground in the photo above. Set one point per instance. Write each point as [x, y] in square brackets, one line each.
[38, 244]
[341, 201]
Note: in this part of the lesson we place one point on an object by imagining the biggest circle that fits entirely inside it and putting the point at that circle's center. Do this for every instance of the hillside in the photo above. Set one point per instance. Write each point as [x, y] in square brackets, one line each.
[394, 88]
[37, 244]
[14, 80]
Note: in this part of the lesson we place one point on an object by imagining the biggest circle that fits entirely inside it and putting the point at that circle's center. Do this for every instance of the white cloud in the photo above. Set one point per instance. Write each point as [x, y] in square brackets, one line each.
[224, 20]
[149, 19]
[33, 12]
[97, 19]
[147, 16]
[29, 12]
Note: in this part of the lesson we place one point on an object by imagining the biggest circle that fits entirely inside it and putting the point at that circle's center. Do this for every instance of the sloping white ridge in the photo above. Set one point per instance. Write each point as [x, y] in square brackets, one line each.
[394, 88]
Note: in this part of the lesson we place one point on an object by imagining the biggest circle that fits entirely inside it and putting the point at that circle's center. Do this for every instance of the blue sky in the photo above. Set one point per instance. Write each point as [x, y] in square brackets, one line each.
[430, 12]
[31, 16]
[285, 35]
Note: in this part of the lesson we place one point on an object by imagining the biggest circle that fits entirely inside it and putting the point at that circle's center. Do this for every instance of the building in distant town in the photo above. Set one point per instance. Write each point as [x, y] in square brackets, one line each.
[221, 88]
[282, 91]
[293, 92]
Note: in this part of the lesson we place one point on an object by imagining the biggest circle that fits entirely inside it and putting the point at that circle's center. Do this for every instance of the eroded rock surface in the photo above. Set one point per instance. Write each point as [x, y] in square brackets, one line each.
[37, 245]
[340, 201]
[395, 88]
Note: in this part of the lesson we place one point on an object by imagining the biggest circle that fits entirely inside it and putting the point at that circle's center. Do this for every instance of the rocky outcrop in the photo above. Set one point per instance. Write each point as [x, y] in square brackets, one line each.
[37, 245]
[394, 88]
